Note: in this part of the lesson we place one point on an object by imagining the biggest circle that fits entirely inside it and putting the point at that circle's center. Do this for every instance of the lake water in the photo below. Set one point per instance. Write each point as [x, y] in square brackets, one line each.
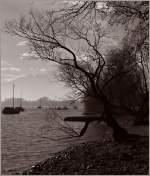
[25, 138]
[23, 141]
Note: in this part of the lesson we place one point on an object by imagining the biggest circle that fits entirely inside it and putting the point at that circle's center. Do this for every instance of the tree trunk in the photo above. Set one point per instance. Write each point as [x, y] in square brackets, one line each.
[119, 133]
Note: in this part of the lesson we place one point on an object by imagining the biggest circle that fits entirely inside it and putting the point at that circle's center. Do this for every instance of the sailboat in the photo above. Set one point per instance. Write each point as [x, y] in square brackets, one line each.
[11, 110]
[40, 106]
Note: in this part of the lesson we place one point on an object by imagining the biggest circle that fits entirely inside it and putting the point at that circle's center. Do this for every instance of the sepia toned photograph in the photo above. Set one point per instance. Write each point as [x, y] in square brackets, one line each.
[74, 87]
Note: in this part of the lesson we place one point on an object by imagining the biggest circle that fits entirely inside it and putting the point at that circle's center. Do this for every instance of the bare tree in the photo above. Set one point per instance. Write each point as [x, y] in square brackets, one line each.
[73, 38]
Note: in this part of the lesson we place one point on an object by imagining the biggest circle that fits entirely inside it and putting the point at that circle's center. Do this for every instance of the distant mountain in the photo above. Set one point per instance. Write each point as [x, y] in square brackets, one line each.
[44, 101]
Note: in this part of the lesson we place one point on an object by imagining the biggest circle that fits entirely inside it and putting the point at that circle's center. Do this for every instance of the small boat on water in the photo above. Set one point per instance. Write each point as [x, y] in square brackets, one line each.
[13, 109]
[40, 106]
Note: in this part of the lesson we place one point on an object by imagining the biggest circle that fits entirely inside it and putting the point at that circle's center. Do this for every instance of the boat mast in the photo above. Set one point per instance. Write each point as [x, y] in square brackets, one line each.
[20, 99]
[40, 102]
[13, 95]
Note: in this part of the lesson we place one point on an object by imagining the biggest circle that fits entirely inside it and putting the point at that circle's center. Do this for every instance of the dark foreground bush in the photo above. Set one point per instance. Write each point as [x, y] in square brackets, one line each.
[97, 158]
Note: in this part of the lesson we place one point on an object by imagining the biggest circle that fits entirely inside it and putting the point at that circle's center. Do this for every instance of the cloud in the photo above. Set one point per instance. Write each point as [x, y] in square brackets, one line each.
[11, 77]
[11, 69]
[22, 43]
[43, 70]
[101, 5]
[73, 2]
[5, 63]
[29, 55]
[35, 71]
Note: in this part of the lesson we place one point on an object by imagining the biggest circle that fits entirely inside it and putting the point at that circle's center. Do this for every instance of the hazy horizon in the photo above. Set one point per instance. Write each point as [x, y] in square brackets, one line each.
[37, 99]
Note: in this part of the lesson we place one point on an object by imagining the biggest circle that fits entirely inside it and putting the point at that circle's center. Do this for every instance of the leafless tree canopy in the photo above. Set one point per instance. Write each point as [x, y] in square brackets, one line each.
[73, 37]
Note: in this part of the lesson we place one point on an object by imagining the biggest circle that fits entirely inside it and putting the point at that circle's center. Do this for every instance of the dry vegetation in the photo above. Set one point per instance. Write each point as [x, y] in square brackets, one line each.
[97, 158]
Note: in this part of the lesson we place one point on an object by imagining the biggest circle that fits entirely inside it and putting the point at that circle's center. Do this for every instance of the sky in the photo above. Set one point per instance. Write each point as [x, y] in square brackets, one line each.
[33, 78]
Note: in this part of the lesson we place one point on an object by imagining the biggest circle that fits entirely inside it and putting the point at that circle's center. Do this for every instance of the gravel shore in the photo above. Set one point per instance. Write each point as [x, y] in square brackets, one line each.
[97, 158]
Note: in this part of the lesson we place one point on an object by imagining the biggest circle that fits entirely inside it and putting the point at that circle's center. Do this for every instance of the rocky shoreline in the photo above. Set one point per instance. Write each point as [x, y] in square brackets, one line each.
[97, 158]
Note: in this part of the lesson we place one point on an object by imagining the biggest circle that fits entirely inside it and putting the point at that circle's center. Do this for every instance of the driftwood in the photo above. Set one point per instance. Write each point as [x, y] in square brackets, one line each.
[84, 118]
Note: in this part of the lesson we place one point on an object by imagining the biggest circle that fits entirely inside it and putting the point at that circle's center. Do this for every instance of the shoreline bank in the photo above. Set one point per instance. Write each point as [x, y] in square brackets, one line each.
[96, 158]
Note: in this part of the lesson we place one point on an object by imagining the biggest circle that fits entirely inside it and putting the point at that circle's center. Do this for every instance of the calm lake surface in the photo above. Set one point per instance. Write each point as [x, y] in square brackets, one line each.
[25, 137]
[22, 142]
